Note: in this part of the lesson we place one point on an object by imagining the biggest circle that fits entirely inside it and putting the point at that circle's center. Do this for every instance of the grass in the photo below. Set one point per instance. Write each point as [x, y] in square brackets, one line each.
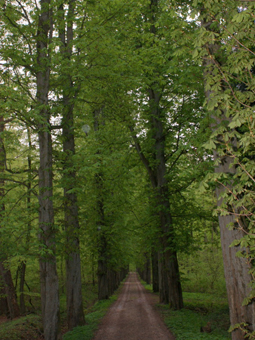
[30, 327]
[93, 318]
[27, 327]
[92, 321]
[200, 308]
[89, 294]
[185, 324]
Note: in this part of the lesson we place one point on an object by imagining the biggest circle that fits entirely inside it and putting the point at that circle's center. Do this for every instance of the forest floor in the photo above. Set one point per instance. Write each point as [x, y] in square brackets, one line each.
[133, 316]
[132, 313]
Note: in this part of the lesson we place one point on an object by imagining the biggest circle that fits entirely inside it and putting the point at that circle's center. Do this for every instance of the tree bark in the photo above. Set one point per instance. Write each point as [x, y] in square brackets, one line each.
[3, 300]
[145, 271]
[75, 314]
[169, 256]
[148, 271]
[155, 271]
[236, 269]
[163, 280]
[22, 271]
[22, 265]
[103, 273]
[48, 270]
[110, 281]
[9, 290]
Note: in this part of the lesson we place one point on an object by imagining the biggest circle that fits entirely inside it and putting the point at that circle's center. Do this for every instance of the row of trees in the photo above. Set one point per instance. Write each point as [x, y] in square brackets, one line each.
[102, 134]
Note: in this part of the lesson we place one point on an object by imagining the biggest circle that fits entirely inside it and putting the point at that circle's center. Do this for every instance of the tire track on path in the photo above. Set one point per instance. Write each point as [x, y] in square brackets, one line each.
[132, 316]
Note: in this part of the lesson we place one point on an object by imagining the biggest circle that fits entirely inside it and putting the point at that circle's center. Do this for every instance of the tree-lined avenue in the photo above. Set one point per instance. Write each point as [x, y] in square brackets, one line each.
[127, 141]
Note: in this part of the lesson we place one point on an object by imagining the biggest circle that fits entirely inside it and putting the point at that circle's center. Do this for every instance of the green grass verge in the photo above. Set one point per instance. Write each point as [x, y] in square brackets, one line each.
[30, 327]
[92, 321]
[27, 327]
[200, 308]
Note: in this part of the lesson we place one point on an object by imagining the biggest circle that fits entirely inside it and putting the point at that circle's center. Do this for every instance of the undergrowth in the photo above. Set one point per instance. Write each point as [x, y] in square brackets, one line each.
[30, 327]
[92, 319]
[200, 309]
[25, 328]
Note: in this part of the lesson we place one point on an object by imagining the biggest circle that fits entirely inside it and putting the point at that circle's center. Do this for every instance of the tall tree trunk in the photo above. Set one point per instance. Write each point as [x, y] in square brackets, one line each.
[158, 176]
[9, 291]
[93, 270]
[103, 271]
[75, 313]
[169, 255]
[102, 264]
[147, 269]
[9, 300]
[3, 300]
[48, 270]
[171, 291]
[163, 280]
[22, 271]
[22, 266]
[236, 269]
[155, 273]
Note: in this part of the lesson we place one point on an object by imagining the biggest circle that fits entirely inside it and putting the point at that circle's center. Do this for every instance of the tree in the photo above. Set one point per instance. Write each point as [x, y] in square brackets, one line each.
[32, 64]
[8, 300]
[103, 246]
[75, 314]
[18, 173]
[165, 104]
[228, 60]
[48, 270]
[103, 159]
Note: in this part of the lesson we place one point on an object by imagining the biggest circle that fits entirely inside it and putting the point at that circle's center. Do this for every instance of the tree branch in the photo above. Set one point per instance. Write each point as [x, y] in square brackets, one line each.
[143, 158]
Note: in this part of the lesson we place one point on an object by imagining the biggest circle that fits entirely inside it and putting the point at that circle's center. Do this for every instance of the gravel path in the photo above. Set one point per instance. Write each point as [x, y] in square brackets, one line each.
[133, 316]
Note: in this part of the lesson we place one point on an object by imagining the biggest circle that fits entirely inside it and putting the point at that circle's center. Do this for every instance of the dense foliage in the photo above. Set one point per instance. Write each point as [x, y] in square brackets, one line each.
[112, 114]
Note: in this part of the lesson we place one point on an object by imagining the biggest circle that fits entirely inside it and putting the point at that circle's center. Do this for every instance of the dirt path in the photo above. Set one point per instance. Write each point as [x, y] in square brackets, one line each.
[132, 316]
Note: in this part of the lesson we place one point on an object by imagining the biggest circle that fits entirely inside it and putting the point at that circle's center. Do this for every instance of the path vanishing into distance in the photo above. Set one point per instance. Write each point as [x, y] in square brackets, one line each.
[133, 316]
